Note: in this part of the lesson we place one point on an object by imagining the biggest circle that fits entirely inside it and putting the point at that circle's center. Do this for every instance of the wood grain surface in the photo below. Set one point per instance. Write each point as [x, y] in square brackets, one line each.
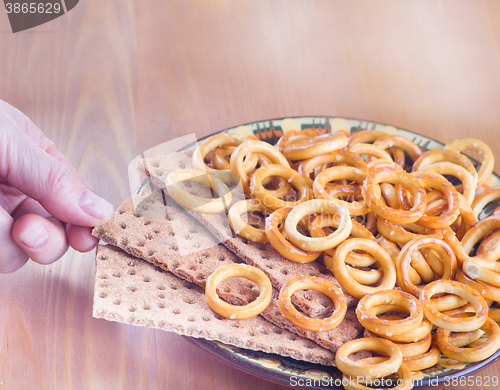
[113, 78]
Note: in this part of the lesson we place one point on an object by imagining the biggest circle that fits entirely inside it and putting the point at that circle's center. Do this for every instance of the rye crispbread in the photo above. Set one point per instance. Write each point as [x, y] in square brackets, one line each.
[145, 232]
[261, 255]
[133, 291]
[145, 229]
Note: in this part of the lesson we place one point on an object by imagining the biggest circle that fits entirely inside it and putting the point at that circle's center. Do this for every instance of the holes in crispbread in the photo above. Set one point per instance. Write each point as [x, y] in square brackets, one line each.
[131, 288]
[117, 302]
[103, 257]
[262, 247]
[221, 258]
[187, 285]
[160, 287]
[146, 279]
[188, 300]
[206, 318]
[132, 309]
[161, 296]
[191, 319]
[117, 274]
[141, 243]
[131, 272]
[149, 236]
[102, 295]
[285, 271]
[147, 222]
[277, 330]
[235, 324]
[123, 225]
[151, 253]
[174, 247]
[161, 305]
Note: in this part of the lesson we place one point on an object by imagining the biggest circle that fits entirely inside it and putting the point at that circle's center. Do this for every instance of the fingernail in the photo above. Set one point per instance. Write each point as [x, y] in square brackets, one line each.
[95, 206]
[35, 236]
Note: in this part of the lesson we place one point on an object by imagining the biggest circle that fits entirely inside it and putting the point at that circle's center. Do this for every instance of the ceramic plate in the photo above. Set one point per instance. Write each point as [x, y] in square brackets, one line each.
[298, 374]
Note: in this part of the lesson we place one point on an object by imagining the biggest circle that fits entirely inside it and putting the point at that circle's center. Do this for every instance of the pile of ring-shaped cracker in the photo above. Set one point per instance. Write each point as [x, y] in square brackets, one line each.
[375, 226]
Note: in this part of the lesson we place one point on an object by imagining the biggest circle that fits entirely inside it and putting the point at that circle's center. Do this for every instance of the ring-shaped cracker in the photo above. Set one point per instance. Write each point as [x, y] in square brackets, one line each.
[487, 158]
[368, 370]
[316, 206]
[381, 175]
[471, 354]
[370, 150]
[267, 198]
[411, 349]
[487, 272]
[477, 233]
[281, 244]
[382, 326]
[398, 141]
[310, 147]
[238, 157]
[242, 228]
[405, 257]
[307, 167]
[434, 156]
[440, 183]
[353, 287]
[316, 284]
[486, 290]
[227, 310]
[211, 143]
[427, 360]
[405, 381]
[452, 323]
[196, 203]
[448, 168]
[415, 335]
[341, 173]
[490, 195]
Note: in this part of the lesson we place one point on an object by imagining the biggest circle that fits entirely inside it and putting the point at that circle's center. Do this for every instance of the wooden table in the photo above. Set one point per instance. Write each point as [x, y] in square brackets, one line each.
[114, 78]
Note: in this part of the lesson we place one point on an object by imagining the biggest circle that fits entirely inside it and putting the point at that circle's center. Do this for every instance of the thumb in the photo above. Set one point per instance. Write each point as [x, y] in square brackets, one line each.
[42, 177]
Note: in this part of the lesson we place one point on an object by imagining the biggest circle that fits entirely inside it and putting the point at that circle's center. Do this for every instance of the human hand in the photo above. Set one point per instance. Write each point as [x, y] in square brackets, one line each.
[45, 205]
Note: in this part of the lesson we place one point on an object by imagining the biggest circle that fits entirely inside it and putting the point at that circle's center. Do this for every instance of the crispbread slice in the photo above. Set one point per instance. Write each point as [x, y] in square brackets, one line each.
[133, 291]
[145, 231]
[261, 255]
[143, 228]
